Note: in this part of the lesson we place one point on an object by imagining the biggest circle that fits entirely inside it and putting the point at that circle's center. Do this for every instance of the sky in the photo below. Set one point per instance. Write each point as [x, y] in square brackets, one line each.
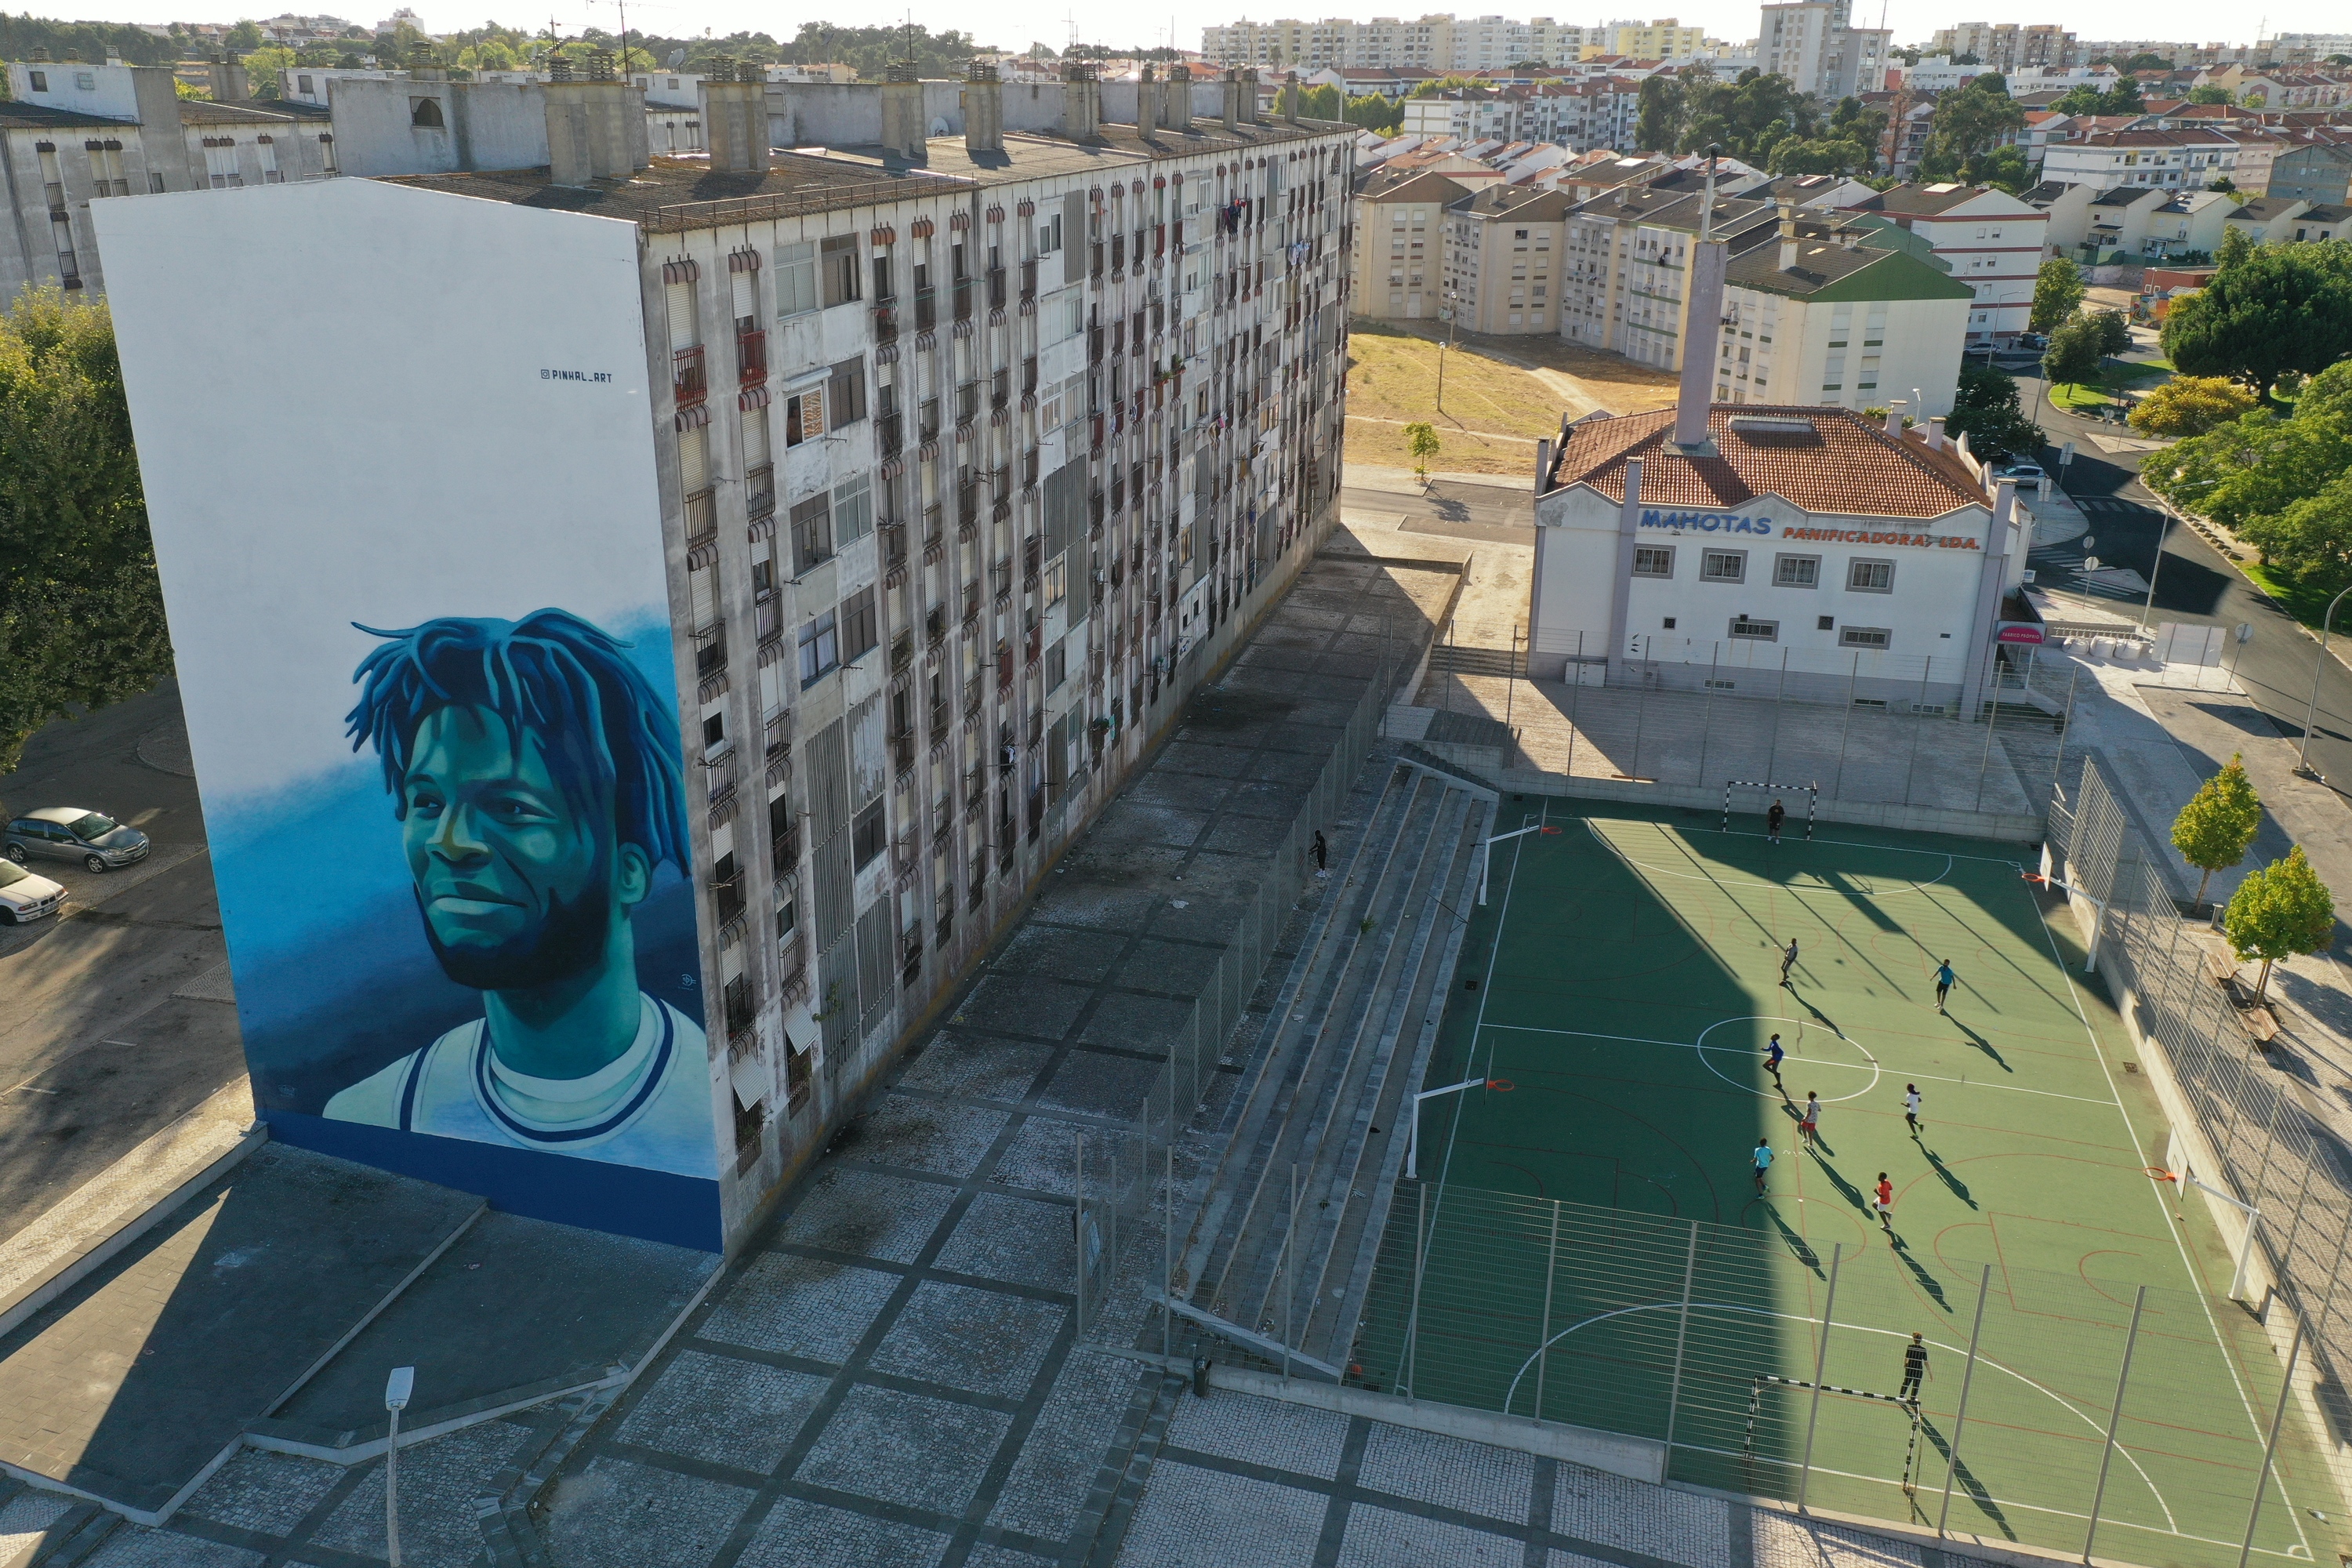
[1004, 24]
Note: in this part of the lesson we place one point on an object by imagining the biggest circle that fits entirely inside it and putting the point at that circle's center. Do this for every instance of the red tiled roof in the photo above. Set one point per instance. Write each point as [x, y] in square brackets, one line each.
[1844, 464]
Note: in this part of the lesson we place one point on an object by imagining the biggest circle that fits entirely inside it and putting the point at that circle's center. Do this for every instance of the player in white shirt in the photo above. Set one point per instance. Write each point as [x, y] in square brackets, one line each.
[540, 785]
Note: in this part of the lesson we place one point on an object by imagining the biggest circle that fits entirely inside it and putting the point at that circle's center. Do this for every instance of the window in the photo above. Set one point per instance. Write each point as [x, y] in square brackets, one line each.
[804, 416]
[1755, 630]
[866, 839]
[40, 82]
[425, 113]
[1056, 666]
[1049, 236]
[1872, 637]
[1654, 560]
[795, 279]
[838, 257]
[1723, 566]
[1056, 586]
[1870, 576]
[844, 391]
[1826, 623]
[858, 625]
[812, 532]
[1796, 571]
[820, 649]
[852, 509]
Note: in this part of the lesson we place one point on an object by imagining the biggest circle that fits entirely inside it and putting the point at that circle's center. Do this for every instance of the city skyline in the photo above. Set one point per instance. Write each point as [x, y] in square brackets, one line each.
[997, 23]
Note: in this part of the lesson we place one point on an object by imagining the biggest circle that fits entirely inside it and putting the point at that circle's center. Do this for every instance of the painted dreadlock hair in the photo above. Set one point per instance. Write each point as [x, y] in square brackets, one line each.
[605, 730]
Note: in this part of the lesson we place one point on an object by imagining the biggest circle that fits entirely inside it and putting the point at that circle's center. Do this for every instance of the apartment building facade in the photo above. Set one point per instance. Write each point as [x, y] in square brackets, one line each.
[2167, 160]
[71, 134]
[971, 457]
[1502, 254]
[1987, 240]
[1438, 43]
[1401, 247]
[1815, 44]
[2009, 46]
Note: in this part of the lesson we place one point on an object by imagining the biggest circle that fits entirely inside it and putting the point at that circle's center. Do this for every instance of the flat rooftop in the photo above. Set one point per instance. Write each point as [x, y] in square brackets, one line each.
[676, 193]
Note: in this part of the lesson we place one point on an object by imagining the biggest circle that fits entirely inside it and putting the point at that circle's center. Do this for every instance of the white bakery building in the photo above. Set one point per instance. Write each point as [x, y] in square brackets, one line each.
[1764, 550]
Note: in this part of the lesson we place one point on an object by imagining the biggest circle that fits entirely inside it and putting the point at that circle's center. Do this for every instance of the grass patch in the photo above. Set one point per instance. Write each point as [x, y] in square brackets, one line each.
[2306, 602]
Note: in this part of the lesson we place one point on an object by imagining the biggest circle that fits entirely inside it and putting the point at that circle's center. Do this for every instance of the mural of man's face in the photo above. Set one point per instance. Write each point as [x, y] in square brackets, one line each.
[520, 883]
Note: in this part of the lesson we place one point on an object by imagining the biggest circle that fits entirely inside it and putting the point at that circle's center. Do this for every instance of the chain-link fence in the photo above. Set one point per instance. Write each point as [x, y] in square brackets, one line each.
[2056, 1410]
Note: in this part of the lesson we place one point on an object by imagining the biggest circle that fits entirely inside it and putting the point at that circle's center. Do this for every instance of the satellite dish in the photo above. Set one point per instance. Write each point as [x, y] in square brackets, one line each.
[676, 58]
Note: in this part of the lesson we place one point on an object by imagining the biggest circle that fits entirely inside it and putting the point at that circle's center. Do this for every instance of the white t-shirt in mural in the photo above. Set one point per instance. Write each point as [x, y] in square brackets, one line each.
[649, 1107]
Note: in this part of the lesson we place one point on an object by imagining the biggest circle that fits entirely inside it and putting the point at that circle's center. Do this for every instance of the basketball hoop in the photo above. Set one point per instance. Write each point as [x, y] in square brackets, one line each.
[1501, 1085]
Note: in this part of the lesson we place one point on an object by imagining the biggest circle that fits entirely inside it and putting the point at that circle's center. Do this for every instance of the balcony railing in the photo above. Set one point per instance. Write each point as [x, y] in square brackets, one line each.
[760, 490]
[751, 357]
[780, 733]
[1028, 375]
[701, 516]
[961, 292]
[768, 614]
[886, 322]
[728, 896]
[685, 376]
[784, 854]
[1028, 281]
[711, 649]
[926, 310]
[893, 544]
[996, 287]
[892, 428]
[971, 603]
[902, 652]
[1000, 390]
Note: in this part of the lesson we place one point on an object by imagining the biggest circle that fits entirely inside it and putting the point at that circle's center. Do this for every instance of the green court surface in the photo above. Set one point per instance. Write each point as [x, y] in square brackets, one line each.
[1593, 1244]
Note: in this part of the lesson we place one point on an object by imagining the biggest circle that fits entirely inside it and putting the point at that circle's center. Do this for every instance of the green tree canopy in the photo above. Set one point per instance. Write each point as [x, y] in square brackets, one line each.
[2278, 911]
[1985, 409]
[1421, 440]
[2209, 93]
[81, 615]
[245, 36]
[2191, 405]
[2058, 288]
[2074, 355]
[2113, 330]
[1658, 128]
[1969, 123]
[2236, 246]
[2277, 308]
[2218, 825]
[2284, 485]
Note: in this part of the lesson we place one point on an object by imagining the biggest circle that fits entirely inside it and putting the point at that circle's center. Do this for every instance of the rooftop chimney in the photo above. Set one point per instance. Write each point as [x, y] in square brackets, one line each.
[1249, 95]
[1702, 329]
[1147, 103]
[984, 109]
[1081, 102]
[229, 82]
[1290, 95]
[735, 117]
[1788, 236]
[1936, 434]
[903, 131]
[1234, 115]
[1176, 97]
[1894, 417]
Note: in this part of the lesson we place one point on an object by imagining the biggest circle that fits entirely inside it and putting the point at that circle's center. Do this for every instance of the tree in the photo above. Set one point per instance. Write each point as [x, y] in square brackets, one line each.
[2058, 288]
[2281, 307]
[81, 614]
[2223, 184]
[261, 68]
[1659, 127]
[2114, 331]
[1969, 123]
[2210, 92]
[2282, 484]
[1370, 111]
[2278, 911]
[2190, 405]
[1421, 439]
[1985, 409]
[1819, 156]
[245, 36]
[2074, 355]
[2236, 246]
[2218, 825]
[2004, 168]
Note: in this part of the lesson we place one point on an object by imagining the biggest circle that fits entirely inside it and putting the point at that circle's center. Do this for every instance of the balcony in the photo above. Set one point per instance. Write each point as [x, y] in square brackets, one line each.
[942, 719]
[780, 733]
[1118, 253]
[926, 310]
[910, 951]
[928, 421]
[769, 619]
[685, 376]
[710, 650]
[902, 758]
[784, 854]
[971, 604]
[701, 517]
[792, 962]
[759, 492]
[1029, 282]
[902, 652]
[1029, 376]
[996, 287]
[752, 358]
[1094, 346]
[967, 398]
[935, 626]
[728, 896]
[1000, 390]
[960, 295]
[885, 321]
[893, 545]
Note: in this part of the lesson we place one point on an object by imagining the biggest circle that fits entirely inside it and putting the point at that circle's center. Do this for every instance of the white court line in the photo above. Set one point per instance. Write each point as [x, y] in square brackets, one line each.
[1908, 886]
[2220, 1346]
[2085, 1416]
[1857, 844]
[1743, 1051]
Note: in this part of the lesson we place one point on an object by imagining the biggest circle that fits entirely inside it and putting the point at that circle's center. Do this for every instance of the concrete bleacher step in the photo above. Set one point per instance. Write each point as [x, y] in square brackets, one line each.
[73, 1538]
[1359, 1019]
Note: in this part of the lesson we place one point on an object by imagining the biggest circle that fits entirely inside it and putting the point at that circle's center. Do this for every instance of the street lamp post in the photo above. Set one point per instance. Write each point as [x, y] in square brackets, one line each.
[2303, 753]
[1450, 297]
[398, 1389]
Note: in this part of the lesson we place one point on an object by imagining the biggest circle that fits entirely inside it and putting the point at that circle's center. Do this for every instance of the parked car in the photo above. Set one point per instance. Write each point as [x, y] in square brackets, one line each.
[2028, 476]
[2033, 341]
[71, 833]
[25, 897]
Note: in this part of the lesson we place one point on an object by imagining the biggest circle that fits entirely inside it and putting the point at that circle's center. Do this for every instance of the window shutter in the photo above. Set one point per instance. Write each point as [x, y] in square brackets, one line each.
[694, 458]
[682, 334]
[1074, 236]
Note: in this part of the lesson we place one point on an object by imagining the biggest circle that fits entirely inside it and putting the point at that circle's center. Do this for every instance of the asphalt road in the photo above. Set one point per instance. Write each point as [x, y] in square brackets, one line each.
[2195, 586]
[96, 1053]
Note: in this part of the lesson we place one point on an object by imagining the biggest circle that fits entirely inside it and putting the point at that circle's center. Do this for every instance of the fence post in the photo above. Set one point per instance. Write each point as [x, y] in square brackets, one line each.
[1779, 694]
[1411, 1357]
[1682, 1335]
[1289, 1262]
[1917, 717]
[2115, 1419]
[1961, 1420]
[1706, 709]
[1543, 1343]
[2065, 723]
[1991, 720]
[1079, 1218]
[1641, 712]
[1853, 677]
[1575, 690]
[1168, 1258]
[1820, 1364]
[2270, 1444]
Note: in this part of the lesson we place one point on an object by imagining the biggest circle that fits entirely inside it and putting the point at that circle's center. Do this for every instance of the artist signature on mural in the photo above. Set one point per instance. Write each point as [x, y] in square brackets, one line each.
[590, 375]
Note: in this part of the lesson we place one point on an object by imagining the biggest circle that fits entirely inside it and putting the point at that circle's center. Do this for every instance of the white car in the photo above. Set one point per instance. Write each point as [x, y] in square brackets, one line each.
[2028, 476]
[25, 897]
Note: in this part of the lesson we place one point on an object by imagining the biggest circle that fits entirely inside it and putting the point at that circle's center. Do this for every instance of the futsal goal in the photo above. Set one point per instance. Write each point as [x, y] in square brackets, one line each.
[1748, 794]
[1906, 1410]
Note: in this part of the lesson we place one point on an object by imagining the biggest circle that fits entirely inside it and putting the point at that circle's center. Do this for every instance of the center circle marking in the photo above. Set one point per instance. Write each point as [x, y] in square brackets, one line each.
[1702, 1047]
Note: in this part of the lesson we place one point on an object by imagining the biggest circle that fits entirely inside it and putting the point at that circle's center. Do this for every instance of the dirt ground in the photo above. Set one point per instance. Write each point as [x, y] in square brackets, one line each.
[1501, 395]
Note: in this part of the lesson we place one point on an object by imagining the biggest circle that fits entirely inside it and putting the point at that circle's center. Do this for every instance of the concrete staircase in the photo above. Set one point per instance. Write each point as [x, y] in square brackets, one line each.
[1319, 1134]
[41, 1528]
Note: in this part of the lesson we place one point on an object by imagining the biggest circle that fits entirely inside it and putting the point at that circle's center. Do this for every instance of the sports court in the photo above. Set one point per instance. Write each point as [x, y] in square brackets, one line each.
[1592, 1241]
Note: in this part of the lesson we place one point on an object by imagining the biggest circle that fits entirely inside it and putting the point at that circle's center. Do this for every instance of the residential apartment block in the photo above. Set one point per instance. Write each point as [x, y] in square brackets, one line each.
[1401, 245]
[73, 133]
[1438, 43]
[967, 459]
[2009, 46]
[1503, 247]
[1815, 44]
[2170, 159]
[1983, 238]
